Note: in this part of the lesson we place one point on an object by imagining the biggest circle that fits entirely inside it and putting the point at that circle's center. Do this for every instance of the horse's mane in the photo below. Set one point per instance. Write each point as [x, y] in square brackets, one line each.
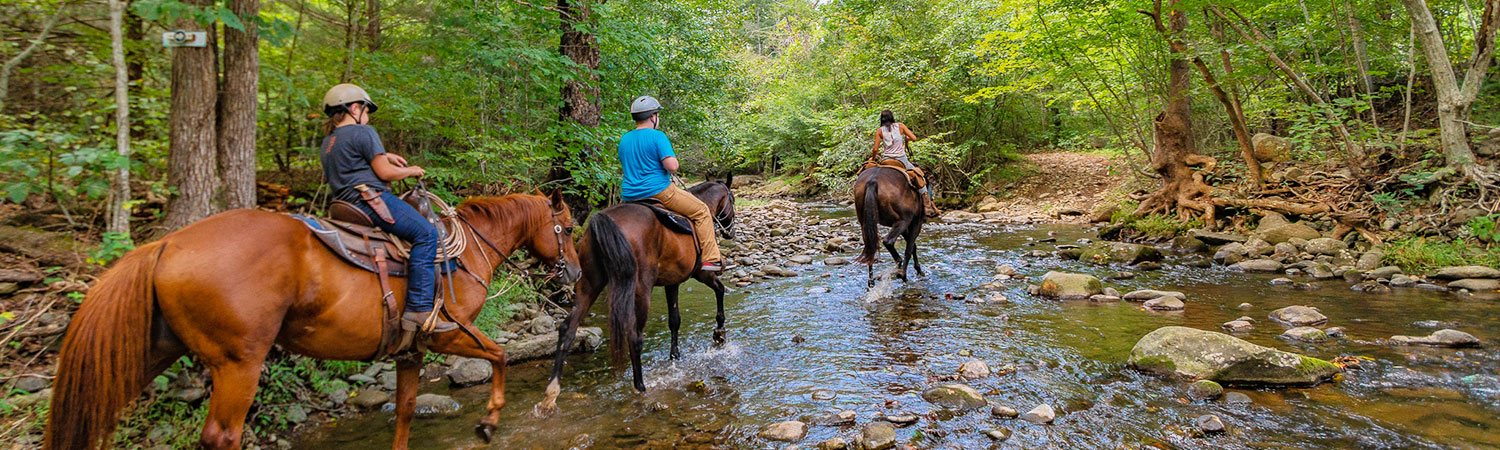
[510, 206]
[706, 185]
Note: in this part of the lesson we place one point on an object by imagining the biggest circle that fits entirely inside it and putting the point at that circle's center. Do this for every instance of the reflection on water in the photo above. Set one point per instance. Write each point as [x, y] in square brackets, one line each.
[875, 354]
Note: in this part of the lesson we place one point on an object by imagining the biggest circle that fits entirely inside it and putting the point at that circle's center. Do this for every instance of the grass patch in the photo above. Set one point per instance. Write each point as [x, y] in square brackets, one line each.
[1423, 255]
[1152, 226]
[742, 203]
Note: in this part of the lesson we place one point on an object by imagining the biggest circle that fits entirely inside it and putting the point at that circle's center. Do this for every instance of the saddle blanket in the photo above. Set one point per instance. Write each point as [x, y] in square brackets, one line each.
[915, 177]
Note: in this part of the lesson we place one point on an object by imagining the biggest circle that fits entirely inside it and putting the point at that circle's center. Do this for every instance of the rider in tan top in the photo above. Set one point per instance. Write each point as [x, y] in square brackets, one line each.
[890, 143]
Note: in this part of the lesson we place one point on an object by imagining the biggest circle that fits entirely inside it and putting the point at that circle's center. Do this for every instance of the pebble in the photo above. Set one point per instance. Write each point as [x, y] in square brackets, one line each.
[787, 431]
[973, 369]
[1040, 414]
[833, 444]
[1210, 423]
[1004, 412]
[998, 434]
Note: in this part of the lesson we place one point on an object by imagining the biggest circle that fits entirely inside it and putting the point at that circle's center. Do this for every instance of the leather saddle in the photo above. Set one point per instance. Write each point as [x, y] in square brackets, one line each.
[673, 221]
[363, 245]
[915, 177]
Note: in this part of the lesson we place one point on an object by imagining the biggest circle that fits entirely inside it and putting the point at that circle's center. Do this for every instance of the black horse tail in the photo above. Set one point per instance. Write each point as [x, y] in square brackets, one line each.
[615, 259]
[869, 221]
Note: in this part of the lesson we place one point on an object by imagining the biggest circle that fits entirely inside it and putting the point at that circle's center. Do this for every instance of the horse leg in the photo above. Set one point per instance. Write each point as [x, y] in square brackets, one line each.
[911, 246]
[713, 282]
[481, 347]
[233, 391]
[890, 245]
[408, 368]
[674, 319]
[638, 338]
[583, 298]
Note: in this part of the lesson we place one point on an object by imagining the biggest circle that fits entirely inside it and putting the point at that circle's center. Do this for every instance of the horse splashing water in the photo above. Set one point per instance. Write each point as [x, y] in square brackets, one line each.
[882, 196]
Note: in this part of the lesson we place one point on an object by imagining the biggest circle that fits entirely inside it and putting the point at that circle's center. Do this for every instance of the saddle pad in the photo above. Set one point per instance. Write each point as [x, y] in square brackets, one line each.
[358, 249]
[672, 220]
[914, 177]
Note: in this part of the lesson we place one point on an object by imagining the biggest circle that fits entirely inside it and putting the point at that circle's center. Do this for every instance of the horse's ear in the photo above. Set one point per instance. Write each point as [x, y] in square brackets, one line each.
[729, 179]
[556, 198]
[539, 193]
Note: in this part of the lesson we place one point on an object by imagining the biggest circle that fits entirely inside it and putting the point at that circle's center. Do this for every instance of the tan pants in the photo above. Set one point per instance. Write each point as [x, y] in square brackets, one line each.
[703, 224]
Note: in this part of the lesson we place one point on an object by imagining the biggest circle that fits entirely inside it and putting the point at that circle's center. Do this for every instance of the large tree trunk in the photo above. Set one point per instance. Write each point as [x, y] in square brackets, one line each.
[1175, 155]
[1454, 100]
[580, 95]
[119, 189]
[192, 162]
[237, 107]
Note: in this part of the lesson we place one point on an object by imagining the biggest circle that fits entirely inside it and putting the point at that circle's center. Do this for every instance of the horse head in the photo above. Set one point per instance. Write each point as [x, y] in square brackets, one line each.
[724, 211]
[552, 242]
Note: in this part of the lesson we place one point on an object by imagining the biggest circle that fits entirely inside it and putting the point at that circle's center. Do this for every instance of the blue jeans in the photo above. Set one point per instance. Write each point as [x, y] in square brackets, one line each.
[411, 227]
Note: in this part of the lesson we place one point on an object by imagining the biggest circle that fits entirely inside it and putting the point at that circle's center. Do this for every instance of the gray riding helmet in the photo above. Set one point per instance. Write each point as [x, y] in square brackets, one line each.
[644, 104]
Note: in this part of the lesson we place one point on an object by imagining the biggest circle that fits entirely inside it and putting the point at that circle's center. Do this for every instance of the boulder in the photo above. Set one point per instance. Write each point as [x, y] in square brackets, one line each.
[435, 404]
[1074, 286]
[1462, 272]
[1270, 147]
[1259, 265]
[1439, 338]
[1305, 334]
[1141, 295]
[998, 434]
[1299, 316]
[1205, 390]
[955, 396]
[1210, 423]
[789, 431]
[836, 261]
[1283, 233]
[1189, 244]
[1382, 272]
[1118, 252]
[837, 443]
[1326, 246]
[973, 369]
[1370, 260]
[1216, 238]
[1231, 253]
[1165, 304]
[1004, 412]
[1400, 280]
[1271, 220]
[30, 383]
[543, 324]
[370, 397]
[1238, 326]
[469, 372]
[988, 204]
[545, 345]
[1258, 247]
[877, 436]
[1321, 271]
[1475, 284]
[1197, 354]
[1236, 398]
[1040, 414]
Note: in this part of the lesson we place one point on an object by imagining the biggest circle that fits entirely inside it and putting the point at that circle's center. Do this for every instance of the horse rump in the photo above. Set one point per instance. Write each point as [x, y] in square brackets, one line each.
[869, 221]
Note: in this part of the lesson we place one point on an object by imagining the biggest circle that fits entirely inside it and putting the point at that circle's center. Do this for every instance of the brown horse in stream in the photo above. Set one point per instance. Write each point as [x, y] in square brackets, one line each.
[882, 196]
[626, 248]
[230, 286]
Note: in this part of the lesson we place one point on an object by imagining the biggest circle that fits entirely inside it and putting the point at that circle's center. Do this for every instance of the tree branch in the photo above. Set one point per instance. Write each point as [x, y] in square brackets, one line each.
[35, 44]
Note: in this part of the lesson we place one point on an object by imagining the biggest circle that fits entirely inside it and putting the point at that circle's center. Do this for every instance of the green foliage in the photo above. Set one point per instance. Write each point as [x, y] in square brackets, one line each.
[1483, 228]
[1423, 255]
[112, 247]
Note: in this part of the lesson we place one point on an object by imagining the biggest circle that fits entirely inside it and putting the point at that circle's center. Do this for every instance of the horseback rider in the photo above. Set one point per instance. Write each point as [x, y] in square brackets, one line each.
[357, 167]
[890, 143]
[648, 163]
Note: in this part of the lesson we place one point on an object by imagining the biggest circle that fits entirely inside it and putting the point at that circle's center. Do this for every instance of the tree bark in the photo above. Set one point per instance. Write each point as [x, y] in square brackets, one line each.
[41, 38]
[192, 162]
[1454, 99]
[580, 95]
[1361, 57]
[237, 107]
[119, 197]
[372, 25]
[1175, 155]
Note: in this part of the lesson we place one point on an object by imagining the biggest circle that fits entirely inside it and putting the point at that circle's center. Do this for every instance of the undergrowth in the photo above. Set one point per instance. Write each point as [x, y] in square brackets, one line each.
[1423, 255]
[1151, 226]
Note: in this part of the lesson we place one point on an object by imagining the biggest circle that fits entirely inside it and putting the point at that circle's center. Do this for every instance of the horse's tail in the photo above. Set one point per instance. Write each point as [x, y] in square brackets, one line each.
[869, 221]
[614, 258]
[103, 361]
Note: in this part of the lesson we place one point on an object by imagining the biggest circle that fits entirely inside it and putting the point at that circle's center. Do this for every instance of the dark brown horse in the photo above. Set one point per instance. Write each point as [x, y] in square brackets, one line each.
[230, 286]
[626, 248]
[883, 197]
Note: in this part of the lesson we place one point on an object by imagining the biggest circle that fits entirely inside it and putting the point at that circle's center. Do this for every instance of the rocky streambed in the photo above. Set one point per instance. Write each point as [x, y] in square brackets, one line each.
[1035, 336]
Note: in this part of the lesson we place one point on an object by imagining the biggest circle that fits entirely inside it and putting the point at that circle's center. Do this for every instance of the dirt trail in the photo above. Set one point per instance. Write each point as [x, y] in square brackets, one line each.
[1065, 187]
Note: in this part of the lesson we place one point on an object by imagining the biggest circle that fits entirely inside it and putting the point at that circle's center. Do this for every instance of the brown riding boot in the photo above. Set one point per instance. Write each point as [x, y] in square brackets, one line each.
[932, 210]
[426, 322]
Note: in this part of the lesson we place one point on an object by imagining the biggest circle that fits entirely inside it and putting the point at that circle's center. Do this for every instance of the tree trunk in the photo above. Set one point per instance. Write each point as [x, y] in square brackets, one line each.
[372, 25]
[1175, 154]
[1454, 100]
[119, 189]
[192, 162]
[237, 108]
[349, 19]
[1361, 57]
[31, 48]
[580, 95]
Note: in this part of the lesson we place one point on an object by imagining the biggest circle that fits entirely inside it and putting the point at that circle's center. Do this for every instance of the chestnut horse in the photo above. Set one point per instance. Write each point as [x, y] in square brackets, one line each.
[883, 197]
[626, 248]
[228, 287]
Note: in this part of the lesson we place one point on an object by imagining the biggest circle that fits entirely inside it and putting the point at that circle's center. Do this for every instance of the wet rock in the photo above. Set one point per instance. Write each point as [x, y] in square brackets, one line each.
[1141, 295]
[1216, 238]
[1259, 265]
[1111, 292]
[1234, 251]
[1165, 304]
[1103, 298]
[788, 431]
[1004, 412]
[1382, 272]
[1197, 354]
[1321, 272]
[1069, 253]
[469, 372]
[1189, 244]
[1462, 272]
[901, 420]
[1305, 334]
[1065, 285]
[954, 396]
[1433, 324]
[1281, 281]
[1371, 287]
[1205, 390]
[1299, 315]
[1287, 232]
[837, 443]
[1400, 280]
[1238, 326]
[1040, 414]
[30, 383]
[1439, 338]
[998, 434]
[973, 369]
[1326, 246]
[824, 395]
[545, 345]
[836, 261]
[1121, 275]
[1370, 260]
[1246, 306]
[800, 259]
[1334, 332]
[845, 417]
[1210, 424]
[1431, 287]
[429, 404]
[370, 397]
[1236, 398]
[1148, 266]
[877, 436]
[387, 380]
[1005, 269]
[1118, 252]
[1475, 284]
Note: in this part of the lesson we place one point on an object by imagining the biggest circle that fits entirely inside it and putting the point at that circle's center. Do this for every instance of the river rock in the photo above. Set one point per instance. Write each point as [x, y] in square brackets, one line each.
[1165, 304]
[370, 397]
[998, 434]
[801, 259]
[1189, 244]
[1238, 326]
[789, 431]
[988, 204]
[1370, 260]
[1439, 338]
[1462, 272]
[1141, 295]
[1205, 390]
[30, 383]
[1005, 269]
[1326, 246]
[973, 369]
[1282, 281]
[1004, 412]
[1210, 423]
[1321, 272]
[836, 261]
[1197, 354]
[1401, 280]
[543, 324]
[1258, 247]
[1382, 272]
[545, 345]
[1305, 334]
[1040, 414]
[1283, 233]
[435, 404]
[955, 396]
[1118, 252]
[1236, 398]
[1259, 265]
[1475, 284]
[877, 435]
[469, 372]
[1299, 315]
[837, 443]
[1231, 253]
[1285, 248]
[1074, 286]
[1216, 238]
[901, 420]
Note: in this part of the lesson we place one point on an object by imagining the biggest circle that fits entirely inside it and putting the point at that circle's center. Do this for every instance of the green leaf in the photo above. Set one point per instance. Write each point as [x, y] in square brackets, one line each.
[18, 191]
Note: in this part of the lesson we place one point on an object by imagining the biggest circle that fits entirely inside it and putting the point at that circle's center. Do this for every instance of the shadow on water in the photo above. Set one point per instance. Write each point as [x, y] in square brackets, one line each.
[797, 352]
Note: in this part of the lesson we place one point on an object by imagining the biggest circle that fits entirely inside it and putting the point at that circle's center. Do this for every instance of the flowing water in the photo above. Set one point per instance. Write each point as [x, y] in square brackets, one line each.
[793, 346]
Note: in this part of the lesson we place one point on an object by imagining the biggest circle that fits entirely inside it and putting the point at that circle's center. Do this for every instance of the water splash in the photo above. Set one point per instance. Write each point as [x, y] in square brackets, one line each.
[885, 285]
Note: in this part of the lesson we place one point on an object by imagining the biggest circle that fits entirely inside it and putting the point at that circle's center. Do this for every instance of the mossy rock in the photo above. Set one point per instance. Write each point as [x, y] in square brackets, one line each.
[1197, 354]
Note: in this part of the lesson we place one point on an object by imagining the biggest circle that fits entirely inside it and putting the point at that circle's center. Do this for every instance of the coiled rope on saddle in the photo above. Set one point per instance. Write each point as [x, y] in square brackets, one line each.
[454, 242]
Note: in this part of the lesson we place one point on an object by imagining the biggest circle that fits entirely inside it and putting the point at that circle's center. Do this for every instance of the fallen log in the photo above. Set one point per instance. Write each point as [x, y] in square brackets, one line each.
[1281, 206]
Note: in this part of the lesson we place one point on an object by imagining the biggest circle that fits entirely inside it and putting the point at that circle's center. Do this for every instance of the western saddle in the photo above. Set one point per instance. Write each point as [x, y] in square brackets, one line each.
[915, 177]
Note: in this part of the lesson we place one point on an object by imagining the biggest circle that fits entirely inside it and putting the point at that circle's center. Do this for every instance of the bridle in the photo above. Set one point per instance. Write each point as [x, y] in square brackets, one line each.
[557, 230]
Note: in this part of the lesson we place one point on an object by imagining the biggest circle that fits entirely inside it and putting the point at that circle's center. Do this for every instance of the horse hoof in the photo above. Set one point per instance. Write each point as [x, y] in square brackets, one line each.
[676, 355]
[485, 432]
[720, 337]
[541, 411]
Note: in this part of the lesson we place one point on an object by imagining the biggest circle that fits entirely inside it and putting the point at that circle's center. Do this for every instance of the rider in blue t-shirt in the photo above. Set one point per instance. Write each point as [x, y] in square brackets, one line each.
[647, 160]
